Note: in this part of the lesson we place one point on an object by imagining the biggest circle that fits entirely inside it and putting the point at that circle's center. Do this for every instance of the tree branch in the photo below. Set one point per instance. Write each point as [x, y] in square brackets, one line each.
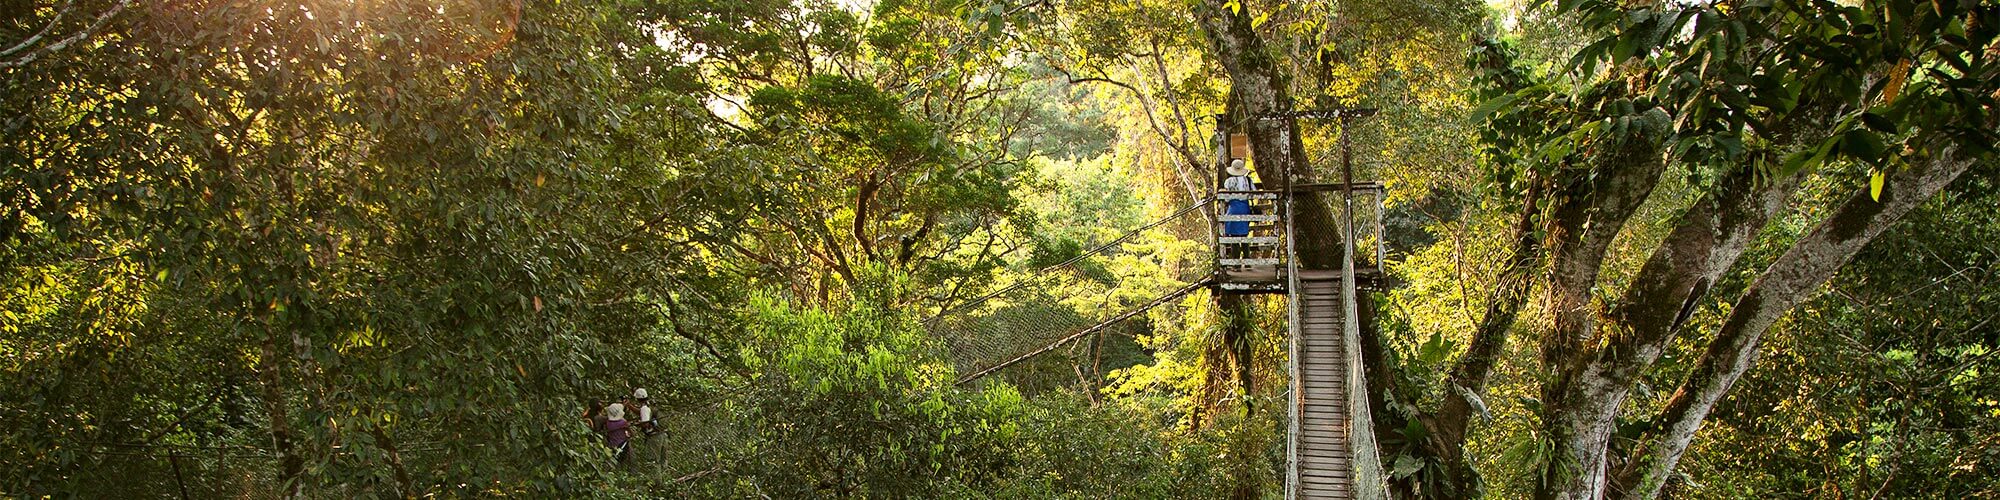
[31, 56]
[1793, 278]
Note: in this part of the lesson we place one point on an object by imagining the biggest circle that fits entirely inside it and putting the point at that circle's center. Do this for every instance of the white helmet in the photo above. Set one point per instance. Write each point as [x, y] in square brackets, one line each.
[639, 394]
[614, 412]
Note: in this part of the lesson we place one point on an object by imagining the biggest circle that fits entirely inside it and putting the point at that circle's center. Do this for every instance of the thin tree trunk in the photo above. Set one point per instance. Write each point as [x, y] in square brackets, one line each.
[1467, 381]
[1793, 278]
[291, 466]
[404, 487]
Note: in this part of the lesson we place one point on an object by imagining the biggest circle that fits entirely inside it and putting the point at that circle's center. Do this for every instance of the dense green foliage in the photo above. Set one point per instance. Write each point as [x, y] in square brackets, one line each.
[393, 248]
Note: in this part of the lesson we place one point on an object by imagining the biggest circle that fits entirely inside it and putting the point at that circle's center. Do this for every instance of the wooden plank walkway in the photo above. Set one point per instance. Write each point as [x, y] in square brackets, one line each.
[1324, 450]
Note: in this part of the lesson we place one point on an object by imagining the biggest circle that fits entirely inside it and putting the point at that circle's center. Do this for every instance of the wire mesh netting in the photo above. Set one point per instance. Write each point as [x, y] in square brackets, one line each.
[1320, 212]
[1054, 307]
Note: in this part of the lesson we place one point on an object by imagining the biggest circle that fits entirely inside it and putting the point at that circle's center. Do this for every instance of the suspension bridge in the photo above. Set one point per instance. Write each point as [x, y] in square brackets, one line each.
[1252, 248]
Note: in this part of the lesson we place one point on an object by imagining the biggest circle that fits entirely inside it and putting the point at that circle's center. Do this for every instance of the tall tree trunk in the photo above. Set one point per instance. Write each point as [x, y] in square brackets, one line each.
[1793, 278]
[1258, 87]
[1586, 217]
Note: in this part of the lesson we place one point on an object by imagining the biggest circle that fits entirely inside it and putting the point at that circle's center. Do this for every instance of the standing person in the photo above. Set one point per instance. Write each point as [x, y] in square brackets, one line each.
[645, 410]
[1238, 180]
[594, 416]
[617, 432]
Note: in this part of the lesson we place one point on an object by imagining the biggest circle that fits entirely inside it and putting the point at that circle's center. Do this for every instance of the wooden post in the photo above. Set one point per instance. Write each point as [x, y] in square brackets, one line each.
[1381, 237]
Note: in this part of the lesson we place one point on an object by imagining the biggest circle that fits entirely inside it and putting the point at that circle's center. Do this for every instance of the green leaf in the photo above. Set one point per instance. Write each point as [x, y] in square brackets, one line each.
[1479, 114]
[1435, 350]
[1862, 145]
[1406, 466]
[1586, 58]
[1803, 159]
[1878, 123]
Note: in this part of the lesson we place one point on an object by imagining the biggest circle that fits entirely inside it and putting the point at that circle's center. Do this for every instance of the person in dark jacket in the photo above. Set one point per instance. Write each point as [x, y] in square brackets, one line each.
[617, 432]
[594, 416]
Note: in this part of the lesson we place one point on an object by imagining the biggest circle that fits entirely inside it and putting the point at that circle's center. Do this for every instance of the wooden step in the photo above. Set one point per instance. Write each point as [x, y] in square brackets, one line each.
[1272, 261]
[1245, 196]
[1332, 426]
[1246, 218]
[1324, 494]
[1325, 393]
[1324, 457]
[1334, 419]
[1323, 447]
[1321, 442]
[1335, 467]
[1318, 492]
[1323, 398]
[1333, 482]
[1329, 488]
[1247, 240]
[1320, 365]
[1324, 429]
[1311, 405]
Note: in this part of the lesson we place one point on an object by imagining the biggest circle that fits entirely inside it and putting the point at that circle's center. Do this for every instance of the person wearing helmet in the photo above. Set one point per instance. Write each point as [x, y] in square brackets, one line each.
[645, 412]
[617, 432]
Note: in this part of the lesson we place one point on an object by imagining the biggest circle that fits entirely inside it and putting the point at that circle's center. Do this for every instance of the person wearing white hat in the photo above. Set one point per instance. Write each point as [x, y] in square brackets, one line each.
[645, 411]
[1238, 180]
[617, 432]
[1239, 177]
